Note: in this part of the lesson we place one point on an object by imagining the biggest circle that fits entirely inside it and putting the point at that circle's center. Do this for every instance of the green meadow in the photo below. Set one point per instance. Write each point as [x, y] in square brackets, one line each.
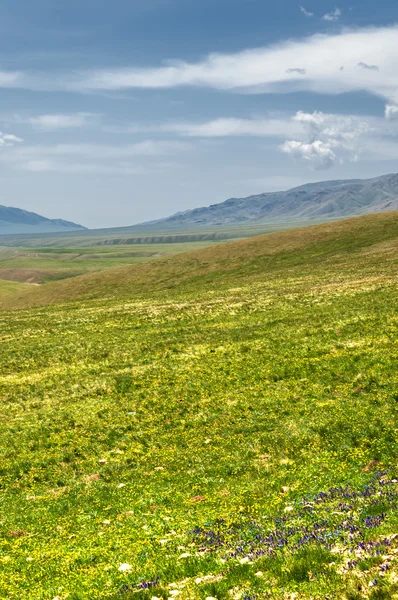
[214, 424]
[43, 264]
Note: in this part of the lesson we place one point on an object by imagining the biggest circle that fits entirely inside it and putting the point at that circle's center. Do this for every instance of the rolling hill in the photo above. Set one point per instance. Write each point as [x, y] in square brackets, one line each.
[324, 200]
[16, 220]
[226, 264]
[221, 424]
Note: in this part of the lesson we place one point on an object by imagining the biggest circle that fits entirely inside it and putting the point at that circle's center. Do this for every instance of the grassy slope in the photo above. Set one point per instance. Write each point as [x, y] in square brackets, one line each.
[40, 265]
[227, 263]
[247, 402]
[9, 288]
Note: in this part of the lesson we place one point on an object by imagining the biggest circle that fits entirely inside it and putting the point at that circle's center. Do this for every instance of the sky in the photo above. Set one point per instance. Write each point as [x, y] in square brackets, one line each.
[115, 113]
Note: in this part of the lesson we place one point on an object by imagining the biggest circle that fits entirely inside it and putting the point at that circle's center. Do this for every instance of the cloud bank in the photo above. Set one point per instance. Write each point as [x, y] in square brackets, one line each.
[260, 69]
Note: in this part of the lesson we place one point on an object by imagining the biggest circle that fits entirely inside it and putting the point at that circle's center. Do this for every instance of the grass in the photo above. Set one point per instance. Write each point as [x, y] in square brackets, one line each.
[223, 422]
[146, 234]
[9, 288]
[41, 265]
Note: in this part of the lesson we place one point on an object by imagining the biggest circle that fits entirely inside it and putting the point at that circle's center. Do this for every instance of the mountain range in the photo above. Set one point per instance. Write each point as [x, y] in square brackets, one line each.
[321, 201]
[16, 220]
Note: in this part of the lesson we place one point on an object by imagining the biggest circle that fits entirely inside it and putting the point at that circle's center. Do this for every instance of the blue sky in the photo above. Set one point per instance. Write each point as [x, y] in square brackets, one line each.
[118, 112]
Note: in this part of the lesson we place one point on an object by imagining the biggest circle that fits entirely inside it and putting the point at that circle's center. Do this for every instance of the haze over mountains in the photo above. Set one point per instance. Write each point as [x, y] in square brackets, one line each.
[16, 220]
[323, 200]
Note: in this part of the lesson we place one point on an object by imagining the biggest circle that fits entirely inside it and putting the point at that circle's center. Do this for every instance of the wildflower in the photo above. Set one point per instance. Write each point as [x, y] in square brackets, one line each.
[102, 461]
[121, 485]
[106, 522]
[125, 567]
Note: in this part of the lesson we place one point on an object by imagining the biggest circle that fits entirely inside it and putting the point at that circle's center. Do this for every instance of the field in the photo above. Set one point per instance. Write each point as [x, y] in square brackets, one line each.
[42, 264]
[215, 424]
[41, 258]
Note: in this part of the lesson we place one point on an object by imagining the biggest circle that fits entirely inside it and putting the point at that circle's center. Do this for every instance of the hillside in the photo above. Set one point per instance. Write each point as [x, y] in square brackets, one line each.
[221, 424]
[226, 264]
[16, 220]
[323, 200]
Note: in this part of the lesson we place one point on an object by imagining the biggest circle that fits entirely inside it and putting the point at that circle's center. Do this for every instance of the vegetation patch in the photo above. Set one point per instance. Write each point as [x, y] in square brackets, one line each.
[230, 436]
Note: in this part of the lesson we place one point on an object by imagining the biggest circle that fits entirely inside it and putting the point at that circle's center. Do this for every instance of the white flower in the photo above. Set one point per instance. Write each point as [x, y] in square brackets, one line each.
[121, 485]
[106, 522]
[125, 567]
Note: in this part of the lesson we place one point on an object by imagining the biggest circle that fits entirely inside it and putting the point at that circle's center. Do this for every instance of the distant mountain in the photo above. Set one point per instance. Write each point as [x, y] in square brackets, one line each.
[16, 220]
[323, 200]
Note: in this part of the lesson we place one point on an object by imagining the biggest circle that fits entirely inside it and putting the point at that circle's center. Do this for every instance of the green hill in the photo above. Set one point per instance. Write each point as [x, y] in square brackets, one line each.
[269, 255]
[217, 424]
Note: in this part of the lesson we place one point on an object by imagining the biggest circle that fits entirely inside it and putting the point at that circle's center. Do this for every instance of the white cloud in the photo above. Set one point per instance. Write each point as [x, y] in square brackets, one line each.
[259, 69]
[391, 112]
[224, 127]
[56, 166]
[332, 16]
[318, 153]
[330, 139]
[305, 12]
[93, 158]
[7, 139]
[267, 69]
[62, 121]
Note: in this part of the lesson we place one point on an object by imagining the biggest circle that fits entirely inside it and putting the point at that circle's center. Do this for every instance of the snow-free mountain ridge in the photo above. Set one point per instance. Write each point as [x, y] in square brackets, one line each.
[16, 220]
[322, 200]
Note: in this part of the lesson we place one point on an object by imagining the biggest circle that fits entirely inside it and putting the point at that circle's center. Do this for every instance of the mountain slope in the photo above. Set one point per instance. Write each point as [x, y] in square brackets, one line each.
[262, 258]
[16, 220]
[323, 200]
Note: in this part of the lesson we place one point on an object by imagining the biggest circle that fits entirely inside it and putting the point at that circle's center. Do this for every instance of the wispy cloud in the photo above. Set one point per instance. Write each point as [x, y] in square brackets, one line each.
[363, 65]
[8, 140]
[296, 70]
[259, 70]
[93, 158]
[51, 122]
[391, 112]
[224, 127]
[332, 16]
[305, 12]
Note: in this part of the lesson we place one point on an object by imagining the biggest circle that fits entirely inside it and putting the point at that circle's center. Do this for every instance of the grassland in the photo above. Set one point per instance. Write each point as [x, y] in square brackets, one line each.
[147, 234]
[43, 264]
[221, 423]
